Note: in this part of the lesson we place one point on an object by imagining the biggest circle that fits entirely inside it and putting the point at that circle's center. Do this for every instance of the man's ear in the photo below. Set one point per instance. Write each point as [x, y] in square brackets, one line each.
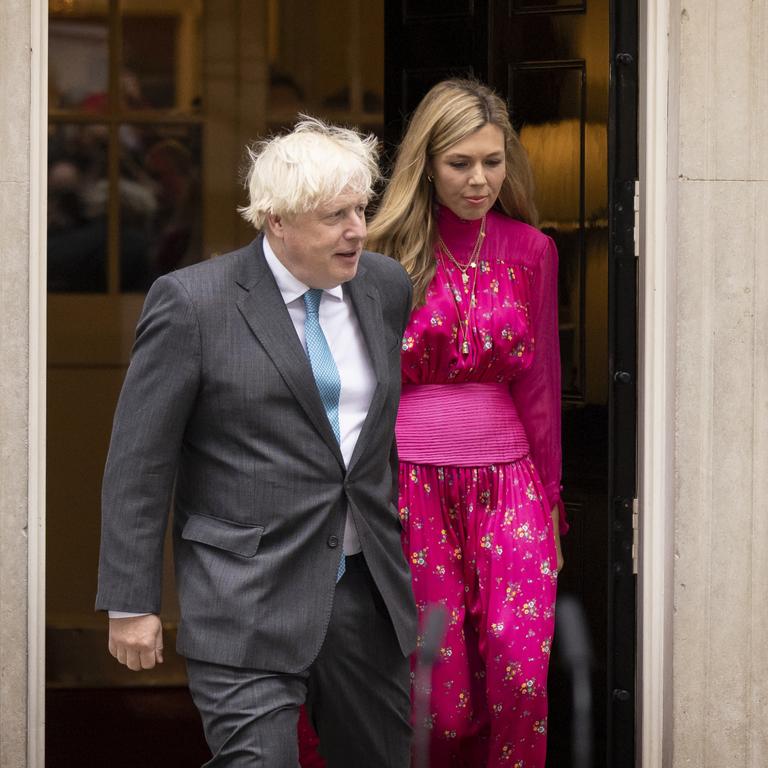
[275, 225]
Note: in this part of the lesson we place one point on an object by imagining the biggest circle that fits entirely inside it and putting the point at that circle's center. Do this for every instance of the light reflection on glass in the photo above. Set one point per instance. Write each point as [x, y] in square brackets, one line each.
[160, 208]
[147, 76]
[61, 6]
[309, 71]
[77, 208]
[78, 63]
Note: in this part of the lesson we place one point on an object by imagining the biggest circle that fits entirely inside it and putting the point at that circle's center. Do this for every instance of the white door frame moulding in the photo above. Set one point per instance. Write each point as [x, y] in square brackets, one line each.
[656, 385]
[38, 135]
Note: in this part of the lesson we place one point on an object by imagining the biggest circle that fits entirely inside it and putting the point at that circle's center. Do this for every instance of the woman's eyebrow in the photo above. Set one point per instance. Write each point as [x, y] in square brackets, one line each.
[462, 156]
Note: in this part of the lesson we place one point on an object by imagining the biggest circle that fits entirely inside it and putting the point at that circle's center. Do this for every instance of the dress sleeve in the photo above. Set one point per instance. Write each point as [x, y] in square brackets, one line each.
[537, 391]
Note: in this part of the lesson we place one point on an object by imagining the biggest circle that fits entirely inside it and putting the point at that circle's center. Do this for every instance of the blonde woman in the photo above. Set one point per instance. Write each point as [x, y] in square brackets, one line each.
[478, 428]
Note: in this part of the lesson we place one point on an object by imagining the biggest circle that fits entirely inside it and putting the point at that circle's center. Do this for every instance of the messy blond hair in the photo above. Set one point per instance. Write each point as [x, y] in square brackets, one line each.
[298, 171]
[404, 226]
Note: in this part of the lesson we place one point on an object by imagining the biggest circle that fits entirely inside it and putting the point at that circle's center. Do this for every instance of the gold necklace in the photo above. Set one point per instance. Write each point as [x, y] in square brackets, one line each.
[463, 322]
[463, 268]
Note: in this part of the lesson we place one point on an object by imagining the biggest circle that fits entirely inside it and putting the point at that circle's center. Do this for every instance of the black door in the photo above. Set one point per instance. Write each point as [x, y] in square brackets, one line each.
[568, 69]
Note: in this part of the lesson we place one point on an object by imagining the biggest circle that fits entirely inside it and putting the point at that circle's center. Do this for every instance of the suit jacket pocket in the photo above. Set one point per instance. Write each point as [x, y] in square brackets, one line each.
[239, 539]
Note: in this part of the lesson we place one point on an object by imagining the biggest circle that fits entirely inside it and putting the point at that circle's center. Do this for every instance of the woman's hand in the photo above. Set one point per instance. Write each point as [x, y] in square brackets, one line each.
[556, 529]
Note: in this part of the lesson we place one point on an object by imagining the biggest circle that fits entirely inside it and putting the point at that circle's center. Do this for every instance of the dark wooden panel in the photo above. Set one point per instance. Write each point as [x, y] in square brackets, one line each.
[548, 105]
[519, 7]
[427, 41]
[417, 81]
[585, 567]
[543, 91]
[419, 10]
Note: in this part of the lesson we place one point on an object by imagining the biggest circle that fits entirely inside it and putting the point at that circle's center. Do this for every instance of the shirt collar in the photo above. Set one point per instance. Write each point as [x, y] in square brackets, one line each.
[291, 288]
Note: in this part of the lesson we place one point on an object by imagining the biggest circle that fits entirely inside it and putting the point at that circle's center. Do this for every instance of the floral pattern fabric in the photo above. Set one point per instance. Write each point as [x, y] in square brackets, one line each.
[479, 538]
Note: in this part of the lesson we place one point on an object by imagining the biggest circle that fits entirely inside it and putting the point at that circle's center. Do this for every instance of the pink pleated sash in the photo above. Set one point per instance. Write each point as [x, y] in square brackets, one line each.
[459, 425]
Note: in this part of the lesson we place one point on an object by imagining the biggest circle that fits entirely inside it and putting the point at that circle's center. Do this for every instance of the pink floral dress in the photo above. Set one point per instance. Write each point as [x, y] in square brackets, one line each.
[479, 443]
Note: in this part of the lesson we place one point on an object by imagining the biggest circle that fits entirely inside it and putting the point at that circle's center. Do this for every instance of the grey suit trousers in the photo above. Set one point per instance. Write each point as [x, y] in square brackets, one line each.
[356, 692]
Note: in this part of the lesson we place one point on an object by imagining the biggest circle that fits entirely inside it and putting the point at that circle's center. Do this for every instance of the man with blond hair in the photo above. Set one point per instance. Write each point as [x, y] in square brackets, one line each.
[261, 400]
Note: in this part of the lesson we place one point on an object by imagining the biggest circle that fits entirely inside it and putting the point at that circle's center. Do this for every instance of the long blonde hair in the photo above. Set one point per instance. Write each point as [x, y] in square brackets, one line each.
[404, 226]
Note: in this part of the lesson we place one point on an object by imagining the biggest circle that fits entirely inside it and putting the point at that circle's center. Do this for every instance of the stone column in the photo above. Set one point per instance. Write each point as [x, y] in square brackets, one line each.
[21, 54]
[720, 624]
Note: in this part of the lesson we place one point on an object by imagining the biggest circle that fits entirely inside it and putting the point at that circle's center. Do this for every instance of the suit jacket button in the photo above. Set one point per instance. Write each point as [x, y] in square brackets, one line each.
[333, 541]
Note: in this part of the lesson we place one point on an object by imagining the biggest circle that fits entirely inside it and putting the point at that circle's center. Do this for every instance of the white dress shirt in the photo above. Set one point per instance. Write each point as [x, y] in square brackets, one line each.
[347, 345]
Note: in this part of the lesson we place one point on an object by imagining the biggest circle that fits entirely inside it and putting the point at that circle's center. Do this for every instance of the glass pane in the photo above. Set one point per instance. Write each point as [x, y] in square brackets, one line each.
[160, 208]
[149, 51]
[161, 55]
[78, 201]
[78, 56]
[309, 71]
[549, 114]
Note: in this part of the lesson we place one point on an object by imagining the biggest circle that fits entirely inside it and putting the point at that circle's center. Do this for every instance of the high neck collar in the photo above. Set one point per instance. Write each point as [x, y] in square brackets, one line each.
[459, 234]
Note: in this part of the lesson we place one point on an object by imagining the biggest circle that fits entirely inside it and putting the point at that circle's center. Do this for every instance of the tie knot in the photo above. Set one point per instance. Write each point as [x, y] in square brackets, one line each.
[312, 300]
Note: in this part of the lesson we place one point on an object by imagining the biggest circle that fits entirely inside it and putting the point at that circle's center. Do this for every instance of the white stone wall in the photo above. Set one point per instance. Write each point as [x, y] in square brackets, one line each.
[720, 616]
[14, 359]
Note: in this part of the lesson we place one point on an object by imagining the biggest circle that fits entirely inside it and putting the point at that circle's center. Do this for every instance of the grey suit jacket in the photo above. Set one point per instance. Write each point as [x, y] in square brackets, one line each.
[219, 411]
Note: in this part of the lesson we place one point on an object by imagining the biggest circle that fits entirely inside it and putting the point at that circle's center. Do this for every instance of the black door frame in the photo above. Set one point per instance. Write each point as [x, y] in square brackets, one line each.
[622, 402]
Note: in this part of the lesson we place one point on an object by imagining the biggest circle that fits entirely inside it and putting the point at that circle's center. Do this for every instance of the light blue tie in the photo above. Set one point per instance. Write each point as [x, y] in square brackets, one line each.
[324, 369]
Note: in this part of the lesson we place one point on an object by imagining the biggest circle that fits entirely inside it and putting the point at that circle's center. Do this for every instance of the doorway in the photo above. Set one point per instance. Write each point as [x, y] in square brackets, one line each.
[151, 105]
[568, 69]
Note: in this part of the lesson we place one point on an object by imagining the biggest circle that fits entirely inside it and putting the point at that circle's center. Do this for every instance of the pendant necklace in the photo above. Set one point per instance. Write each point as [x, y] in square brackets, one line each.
[463, 322]
[456, 295]
[463, 268]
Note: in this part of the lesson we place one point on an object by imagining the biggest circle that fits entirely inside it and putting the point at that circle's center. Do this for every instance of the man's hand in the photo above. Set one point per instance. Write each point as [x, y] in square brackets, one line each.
[137, 641]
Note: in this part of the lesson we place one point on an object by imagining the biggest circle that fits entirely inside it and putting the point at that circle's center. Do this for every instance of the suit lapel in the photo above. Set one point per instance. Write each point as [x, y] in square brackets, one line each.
[367, 305]
[264, 310]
